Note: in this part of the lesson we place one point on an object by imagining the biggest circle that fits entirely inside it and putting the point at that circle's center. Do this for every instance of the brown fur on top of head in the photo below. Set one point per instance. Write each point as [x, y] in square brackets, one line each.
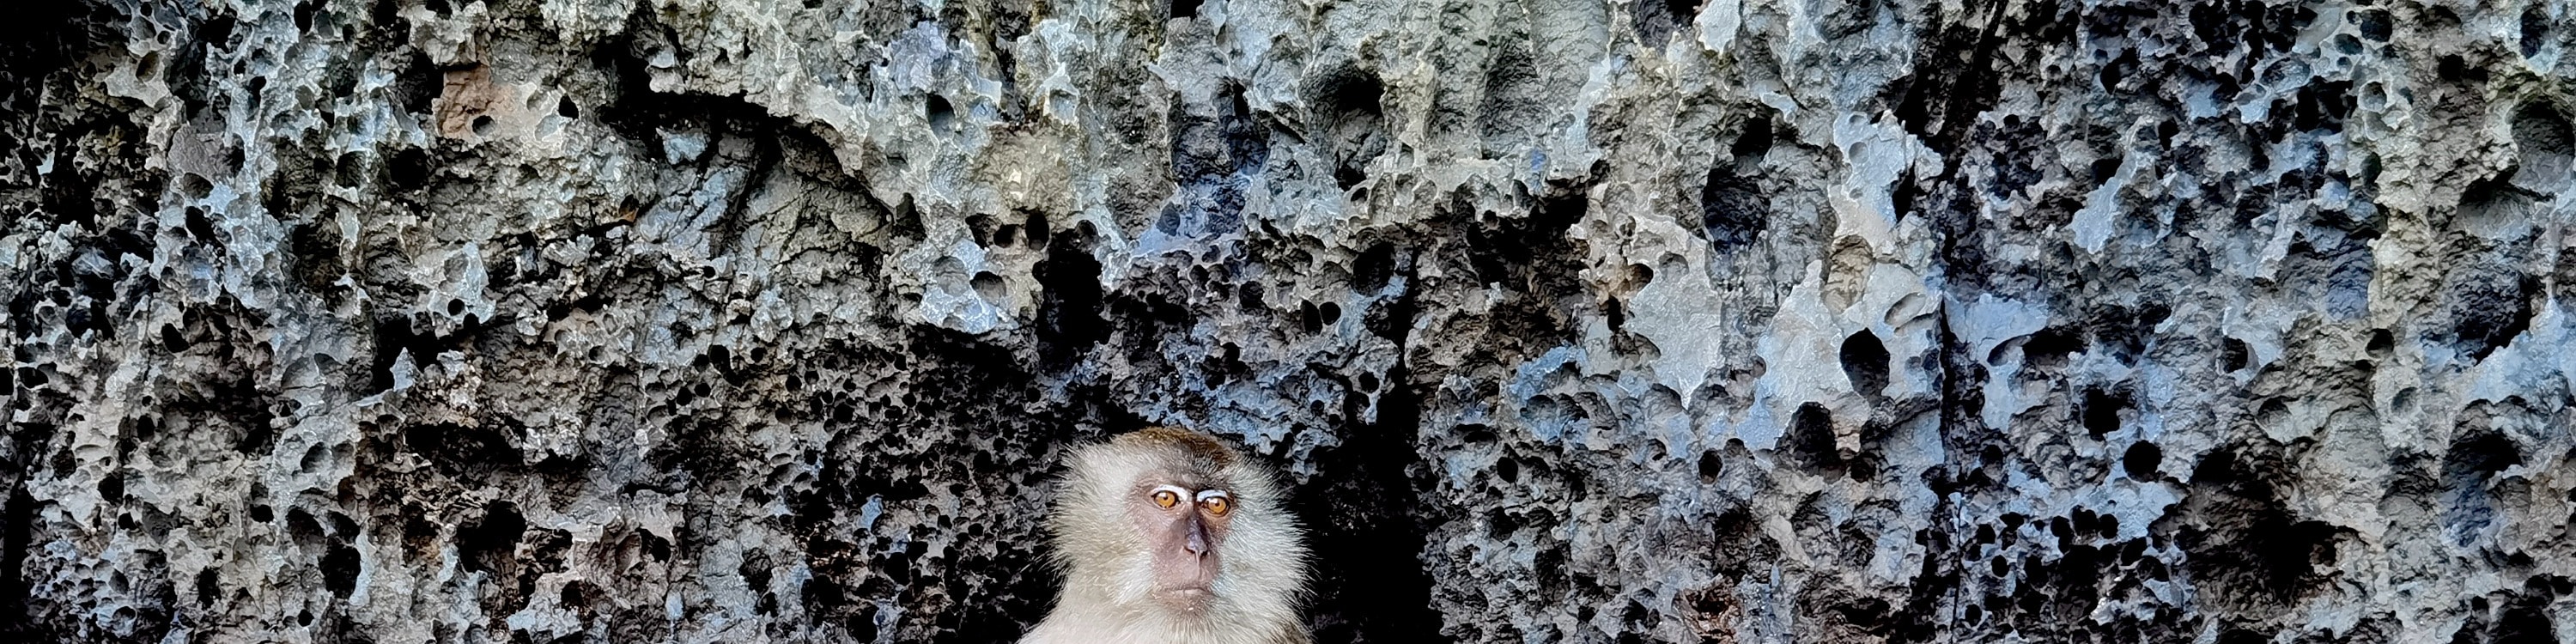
[1203, 451]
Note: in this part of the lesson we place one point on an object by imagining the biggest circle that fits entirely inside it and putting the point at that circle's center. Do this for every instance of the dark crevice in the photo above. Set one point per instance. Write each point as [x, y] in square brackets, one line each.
[1810, 441]
[340, 568]
[1352, 122]
[15, 536]
[2490, 306]
[2245, 544]
[1369, 578]
[1733, 210]
[1865, 363]
[2102, 411]
[1070, 299]
[2143, 461]
[490, 542]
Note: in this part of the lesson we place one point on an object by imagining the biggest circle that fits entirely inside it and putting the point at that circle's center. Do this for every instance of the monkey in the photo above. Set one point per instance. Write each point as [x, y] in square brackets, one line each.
[1166, 536]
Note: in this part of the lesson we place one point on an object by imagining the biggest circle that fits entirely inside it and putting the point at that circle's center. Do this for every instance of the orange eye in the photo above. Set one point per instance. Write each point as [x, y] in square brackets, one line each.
[1217, 505]
[1166, 498]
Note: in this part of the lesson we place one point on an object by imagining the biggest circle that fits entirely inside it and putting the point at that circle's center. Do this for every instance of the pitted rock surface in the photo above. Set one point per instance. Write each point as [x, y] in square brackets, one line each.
[1569, 320]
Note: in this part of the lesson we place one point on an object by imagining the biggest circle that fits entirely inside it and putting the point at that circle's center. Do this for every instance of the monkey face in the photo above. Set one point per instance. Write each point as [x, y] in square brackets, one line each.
[1164, 529]
[1184, 529]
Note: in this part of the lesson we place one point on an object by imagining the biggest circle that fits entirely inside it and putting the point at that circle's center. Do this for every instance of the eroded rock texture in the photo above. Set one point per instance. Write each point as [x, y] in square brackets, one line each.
[1572, 320]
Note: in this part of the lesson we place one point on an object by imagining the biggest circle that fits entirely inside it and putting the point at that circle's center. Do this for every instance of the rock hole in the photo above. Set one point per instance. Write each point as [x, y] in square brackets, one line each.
[565, 108]
[1374, 267]
[2490, 306]
[2455, 68]
[1683, 10]
[409, 169]
[2535, 29]
[2476, 454]
[491, 541]
[1656, 21]
[1754, 142]
[1069, 300]
[2322, 106]
[2118, 69]
[461, 451]
[942, 116]
[1185, 8]
[2102, 411]
[1035, 229]
[2253, 550]
[2525, 621]
[340, 568]
[1710, 466]
[1348, 175]
[1811, 437]
[1250, 297]
[2144, 461]
[208, 587]
[1357, 114]
[195, 186]
[392, 337]
[484, 125]
[1906, 193]
[304, 14]
[2548, 148]
[302, 527]
[991, 287]
[1329, 313]
[1864, 361]
[1732, 211]
[2050, 347]
[2104, 169]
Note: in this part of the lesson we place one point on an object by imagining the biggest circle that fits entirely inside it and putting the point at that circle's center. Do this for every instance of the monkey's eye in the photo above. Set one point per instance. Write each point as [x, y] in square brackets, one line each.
[1216, 502]
[1167, 496]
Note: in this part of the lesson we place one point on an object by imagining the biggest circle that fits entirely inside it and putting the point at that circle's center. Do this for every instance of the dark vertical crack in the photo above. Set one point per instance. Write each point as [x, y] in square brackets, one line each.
[1367, 532]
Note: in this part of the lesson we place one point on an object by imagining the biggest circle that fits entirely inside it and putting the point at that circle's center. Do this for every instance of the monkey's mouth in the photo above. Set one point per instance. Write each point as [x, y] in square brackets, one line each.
[1187, 597]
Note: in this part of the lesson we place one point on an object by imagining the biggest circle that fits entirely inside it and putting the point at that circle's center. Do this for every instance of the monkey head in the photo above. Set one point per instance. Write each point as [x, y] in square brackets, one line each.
[1172, 524]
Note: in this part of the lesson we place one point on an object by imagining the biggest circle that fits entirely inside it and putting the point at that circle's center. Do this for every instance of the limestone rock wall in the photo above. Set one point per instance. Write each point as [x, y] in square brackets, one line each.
[1571, 320]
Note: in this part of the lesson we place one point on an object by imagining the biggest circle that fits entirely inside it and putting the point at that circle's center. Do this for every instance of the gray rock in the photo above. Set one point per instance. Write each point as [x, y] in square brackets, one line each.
[1571, 320]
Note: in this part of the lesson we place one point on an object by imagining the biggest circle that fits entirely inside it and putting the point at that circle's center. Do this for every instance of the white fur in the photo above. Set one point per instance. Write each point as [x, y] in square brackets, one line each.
[1108, 593]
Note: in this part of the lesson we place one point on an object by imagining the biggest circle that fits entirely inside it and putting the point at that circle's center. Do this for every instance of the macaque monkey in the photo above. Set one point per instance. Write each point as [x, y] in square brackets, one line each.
[1166, 536]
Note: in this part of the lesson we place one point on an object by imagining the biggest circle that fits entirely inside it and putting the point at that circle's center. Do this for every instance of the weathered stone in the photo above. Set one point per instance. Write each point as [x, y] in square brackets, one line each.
[1571, 320]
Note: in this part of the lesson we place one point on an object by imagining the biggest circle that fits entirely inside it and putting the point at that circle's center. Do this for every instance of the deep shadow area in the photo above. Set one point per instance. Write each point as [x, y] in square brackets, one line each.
[1365, 529]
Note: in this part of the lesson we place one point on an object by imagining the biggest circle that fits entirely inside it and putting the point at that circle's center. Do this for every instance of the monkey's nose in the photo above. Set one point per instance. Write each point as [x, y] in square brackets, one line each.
[1198, 543]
